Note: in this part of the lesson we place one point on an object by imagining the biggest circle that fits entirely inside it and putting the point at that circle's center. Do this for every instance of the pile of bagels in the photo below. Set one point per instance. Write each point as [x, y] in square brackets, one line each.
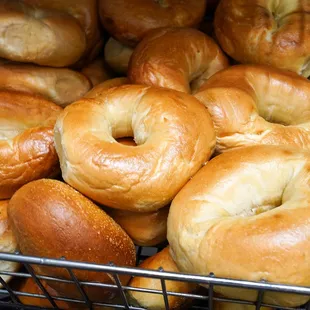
[129, 123]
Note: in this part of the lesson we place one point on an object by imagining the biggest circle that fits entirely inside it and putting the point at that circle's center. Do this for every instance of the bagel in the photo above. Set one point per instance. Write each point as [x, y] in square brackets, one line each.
[62, 86]
[99, 89]
[128, 21]
[117, 55]
[70, 225]
[156, 301]
[233, 306]
[7, 241]
[177, 58]
[145, 229]
[174, 136]
[235, 203]
[275, 33]
[97, 71]
[27, 149]
[258, 105]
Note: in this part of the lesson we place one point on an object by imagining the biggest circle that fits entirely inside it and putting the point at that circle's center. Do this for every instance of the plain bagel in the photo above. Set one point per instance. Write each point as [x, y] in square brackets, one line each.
[235, 203]
[174, 136]
[128, 21]
[269, 32]
[27, 149]
[255, 104]
[177, 58]
[60, 85]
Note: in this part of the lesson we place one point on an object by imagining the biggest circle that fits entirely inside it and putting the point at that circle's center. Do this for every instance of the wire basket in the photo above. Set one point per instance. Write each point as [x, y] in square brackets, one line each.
[203, 300]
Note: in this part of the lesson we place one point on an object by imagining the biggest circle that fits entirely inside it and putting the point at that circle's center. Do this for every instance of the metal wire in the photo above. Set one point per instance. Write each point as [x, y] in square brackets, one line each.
[202, 301]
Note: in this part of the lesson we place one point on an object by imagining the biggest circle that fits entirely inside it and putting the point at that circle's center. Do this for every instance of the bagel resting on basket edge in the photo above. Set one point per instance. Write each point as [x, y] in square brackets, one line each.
[174, 136]
[246, 215]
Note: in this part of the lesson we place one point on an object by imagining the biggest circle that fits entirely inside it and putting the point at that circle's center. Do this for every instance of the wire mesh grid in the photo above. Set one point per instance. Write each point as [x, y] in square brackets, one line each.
[201, 300]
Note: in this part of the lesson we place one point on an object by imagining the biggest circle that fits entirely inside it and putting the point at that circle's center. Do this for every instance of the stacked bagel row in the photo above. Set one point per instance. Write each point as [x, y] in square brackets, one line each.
[135, 122]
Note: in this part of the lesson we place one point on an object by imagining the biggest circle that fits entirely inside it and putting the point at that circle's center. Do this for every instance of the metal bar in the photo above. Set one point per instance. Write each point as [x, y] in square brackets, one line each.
[14, 298]
[211, 293]
[164, 290]
[120, 288]
[38, 282]
[156, 274]
[308, 306]
[260, 297]
[80, 289]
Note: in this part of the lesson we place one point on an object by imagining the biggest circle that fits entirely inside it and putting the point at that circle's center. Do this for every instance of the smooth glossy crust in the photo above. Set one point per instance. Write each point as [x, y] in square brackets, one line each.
[155, 301]
[129, 20]
[69, 225]
[178, 58]
[145, 229]
[270, 32]
[235, 204]
[27, 149]
[255, 104]
[62, 86]
[8, 242]
[174, 136]
[117, 55]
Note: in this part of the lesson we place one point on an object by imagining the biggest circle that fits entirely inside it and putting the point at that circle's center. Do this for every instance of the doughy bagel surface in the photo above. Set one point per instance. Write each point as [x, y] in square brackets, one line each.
[174, 136]
[27, 149]
[177, 58]
[255, 104]
[271, 32]
[253, 200]
[129, 20]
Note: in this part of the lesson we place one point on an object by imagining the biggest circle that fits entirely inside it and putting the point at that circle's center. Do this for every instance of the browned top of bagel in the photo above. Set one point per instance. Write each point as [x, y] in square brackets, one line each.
[268, 32]
[129, 20]
[177, 58]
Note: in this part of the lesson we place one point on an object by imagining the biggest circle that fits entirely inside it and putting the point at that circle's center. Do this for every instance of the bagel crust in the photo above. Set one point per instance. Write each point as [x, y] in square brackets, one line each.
[245, 215]
[128, 21]
[174, 136]
[177, 58]
[270, 32]
[27, 149]
[255, 104]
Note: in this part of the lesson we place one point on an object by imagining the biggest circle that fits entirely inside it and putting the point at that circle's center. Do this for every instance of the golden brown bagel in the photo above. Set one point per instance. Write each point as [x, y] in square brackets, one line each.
[252, 200]
[97, 71]
[101, 88]
[145, 229]
[117, 55]
[129, 20]
[27, 149]
[177, 58]
[70, 225]
[174, 136]
[156, 301]
[258, 105]
[62, 86]
[270, 32]
[7, 241]
[233, 306]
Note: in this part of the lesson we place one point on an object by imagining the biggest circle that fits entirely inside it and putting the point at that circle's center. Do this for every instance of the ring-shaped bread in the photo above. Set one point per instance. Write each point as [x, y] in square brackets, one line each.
[269, 32]
[246, 215]
[174, 136]
[128, 21]
[255, 104]
[177, 58]
[27, 149]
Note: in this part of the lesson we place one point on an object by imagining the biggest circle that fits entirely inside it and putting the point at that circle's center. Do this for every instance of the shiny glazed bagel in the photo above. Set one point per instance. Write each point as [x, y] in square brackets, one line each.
[70, 225]
[27, 149]
[145, 229]
[255, 104]
[232, 206]
[60, 85]
[129, 20]
[270, 32]
[174, 136]
[177, 58]
[8, 242]
[117, 55]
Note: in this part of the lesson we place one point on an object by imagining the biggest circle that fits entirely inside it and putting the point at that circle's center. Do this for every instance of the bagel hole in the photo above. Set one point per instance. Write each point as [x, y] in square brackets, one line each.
[127, 141]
